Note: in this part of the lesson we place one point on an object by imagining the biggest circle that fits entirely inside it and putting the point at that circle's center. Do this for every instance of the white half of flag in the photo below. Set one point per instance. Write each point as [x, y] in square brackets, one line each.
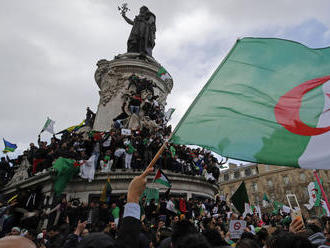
[49, 126]
[168, 114]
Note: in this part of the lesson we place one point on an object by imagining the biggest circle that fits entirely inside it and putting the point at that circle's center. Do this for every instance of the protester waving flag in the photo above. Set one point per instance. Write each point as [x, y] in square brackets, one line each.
[268, 102]
[9, 147]
[49, 126]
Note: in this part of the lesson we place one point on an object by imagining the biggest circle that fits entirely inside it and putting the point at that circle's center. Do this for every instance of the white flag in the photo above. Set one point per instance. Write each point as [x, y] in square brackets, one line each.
[168, 114]
[49, 126]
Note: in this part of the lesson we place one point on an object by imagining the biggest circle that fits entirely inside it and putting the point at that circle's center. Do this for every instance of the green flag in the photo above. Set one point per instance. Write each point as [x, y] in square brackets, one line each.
[277, 206]
[240, 197]
[265, 200]
[267, 102]
[151, 193]
[65, 170]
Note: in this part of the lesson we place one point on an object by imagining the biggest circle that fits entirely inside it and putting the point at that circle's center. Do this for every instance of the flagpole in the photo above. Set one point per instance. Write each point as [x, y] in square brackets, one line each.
[160, 151]
[322, 190]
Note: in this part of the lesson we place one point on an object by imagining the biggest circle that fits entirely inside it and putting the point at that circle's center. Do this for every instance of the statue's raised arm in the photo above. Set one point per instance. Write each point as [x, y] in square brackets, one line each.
[129, 21]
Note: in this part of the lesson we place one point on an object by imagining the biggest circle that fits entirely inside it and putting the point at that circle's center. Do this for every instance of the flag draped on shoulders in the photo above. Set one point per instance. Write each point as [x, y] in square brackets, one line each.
[268, 102]
[65, 171]
[87, 168]
[9, 147]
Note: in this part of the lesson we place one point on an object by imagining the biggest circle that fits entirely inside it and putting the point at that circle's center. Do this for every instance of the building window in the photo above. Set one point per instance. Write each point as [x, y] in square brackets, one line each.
[254, 171]
[270, 183]
[226, 177]
[286, 180]
[248, 172]
[231, 176]
[236, 174]
[302, 177]
[242, 173]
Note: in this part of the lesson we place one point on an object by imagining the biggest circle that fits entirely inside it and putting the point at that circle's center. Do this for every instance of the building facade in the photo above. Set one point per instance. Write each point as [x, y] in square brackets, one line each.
[275, 181]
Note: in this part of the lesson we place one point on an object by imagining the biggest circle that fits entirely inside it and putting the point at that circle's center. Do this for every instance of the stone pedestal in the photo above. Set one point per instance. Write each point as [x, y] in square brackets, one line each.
[112, 77]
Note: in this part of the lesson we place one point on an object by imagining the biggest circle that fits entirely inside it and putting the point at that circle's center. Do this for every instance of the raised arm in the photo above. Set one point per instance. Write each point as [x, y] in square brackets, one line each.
[129, 21]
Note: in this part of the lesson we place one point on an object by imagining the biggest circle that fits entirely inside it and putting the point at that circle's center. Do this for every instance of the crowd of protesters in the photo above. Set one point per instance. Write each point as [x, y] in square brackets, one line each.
[170, 222]
[115, 150]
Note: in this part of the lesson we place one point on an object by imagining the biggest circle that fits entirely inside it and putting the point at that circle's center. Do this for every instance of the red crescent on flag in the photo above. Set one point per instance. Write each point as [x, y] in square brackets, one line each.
[287, 109]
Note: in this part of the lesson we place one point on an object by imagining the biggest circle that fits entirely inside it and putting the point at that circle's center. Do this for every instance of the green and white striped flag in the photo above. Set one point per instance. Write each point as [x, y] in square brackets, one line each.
[49, 126]
[268, 102]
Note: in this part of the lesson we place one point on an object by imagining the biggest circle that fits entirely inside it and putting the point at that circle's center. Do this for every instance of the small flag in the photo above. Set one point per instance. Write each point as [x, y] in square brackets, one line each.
[168, 114]
[163, 74]
[171, 207]
[9, 147]
[49, 126]
[315, 195]
[265, 200]
[73, 128]
[240, 197]
[106, 193]
[161, 178]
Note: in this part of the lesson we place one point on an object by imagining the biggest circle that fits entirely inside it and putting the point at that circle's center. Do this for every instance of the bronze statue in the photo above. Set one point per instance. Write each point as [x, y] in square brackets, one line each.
[143, 33]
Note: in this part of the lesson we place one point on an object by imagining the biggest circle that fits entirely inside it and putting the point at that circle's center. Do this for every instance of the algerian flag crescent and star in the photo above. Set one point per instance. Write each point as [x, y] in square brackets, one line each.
[268, 102]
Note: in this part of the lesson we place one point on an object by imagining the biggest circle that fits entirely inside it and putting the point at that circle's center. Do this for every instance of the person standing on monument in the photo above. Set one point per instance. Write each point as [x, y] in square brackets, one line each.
[143, 33]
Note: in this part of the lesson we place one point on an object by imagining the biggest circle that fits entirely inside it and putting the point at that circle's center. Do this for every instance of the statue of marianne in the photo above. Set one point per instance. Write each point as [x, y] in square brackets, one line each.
[143, 33]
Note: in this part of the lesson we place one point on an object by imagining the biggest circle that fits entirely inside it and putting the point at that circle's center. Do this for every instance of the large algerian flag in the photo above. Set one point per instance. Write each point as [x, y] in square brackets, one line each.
[161, 178]
[268, 102]
[49, 126]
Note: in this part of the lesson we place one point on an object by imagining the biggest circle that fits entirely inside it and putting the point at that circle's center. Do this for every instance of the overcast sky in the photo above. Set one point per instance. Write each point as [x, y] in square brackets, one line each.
[49, 50]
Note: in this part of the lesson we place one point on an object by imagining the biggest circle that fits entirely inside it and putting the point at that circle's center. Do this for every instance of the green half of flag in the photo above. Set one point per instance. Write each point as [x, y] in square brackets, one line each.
[265, 198]
[240, 197]
[65, 171]
[268, 102]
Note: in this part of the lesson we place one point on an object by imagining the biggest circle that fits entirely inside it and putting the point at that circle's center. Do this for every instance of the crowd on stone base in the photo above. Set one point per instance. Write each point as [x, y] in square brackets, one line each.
[115, 150]
[171, 222]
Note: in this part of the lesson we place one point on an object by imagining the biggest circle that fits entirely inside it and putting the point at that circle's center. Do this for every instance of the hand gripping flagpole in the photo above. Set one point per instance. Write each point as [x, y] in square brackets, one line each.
[322, 190]
[160, 151]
